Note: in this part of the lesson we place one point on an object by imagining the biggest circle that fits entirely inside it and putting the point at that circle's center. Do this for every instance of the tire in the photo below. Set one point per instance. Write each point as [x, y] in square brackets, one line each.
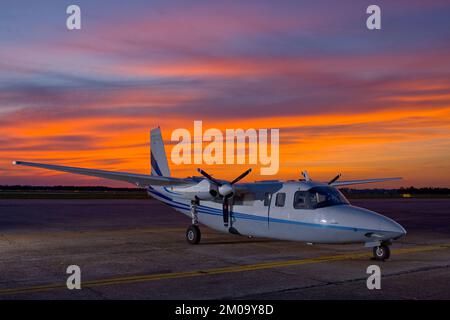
[381, 253]
[193, 234]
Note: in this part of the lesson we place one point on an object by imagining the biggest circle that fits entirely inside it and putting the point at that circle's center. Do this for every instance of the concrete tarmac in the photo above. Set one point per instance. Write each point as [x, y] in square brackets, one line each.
[136, 249]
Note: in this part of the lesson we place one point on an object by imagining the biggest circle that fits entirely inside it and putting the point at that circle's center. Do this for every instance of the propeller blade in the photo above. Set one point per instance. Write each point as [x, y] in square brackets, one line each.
[243, 175]
[207, 176]
[334, 179]
[225, 211]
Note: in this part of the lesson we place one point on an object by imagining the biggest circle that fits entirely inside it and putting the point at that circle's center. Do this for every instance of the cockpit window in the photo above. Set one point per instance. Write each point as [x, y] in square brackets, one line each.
[318, 197]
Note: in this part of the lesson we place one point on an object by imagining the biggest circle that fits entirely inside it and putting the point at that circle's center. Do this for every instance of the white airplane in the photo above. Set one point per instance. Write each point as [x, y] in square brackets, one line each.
[301, 210]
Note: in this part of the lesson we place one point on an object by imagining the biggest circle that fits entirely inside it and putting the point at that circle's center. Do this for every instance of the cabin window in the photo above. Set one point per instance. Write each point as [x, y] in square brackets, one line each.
[267, 199]
[300, 200]
[246, 199]
[238, 200]
[281, 198]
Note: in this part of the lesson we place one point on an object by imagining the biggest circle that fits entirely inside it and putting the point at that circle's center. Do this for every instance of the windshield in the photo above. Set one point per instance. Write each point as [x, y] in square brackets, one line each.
[318, 197]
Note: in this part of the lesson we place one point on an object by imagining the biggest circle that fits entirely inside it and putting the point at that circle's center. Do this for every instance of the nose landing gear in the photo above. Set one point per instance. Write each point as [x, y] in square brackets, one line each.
[381, 252]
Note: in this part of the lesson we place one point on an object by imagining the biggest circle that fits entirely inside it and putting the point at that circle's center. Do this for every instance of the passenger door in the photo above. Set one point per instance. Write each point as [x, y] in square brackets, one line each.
[277, 208]
[267, 201]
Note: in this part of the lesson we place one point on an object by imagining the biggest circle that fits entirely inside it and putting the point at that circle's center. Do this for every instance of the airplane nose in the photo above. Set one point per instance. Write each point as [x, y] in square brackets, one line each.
[381, 225]
[390, 226]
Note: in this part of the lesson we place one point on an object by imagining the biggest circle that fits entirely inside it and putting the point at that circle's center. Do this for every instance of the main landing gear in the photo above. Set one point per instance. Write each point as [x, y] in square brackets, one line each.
[193, 234]
[381, 252]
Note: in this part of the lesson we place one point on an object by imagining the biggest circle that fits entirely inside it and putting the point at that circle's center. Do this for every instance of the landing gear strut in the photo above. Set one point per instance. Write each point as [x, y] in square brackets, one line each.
[193, 234]
[194, 204]
[381, 252]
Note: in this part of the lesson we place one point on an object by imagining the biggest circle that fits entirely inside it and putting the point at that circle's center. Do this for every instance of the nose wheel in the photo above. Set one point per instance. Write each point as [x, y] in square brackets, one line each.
[381, 252]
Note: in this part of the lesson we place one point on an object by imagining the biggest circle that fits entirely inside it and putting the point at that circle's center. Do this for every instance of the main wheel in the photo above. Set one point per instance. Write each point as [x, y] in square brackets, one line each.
[193, 234]
[381, 253]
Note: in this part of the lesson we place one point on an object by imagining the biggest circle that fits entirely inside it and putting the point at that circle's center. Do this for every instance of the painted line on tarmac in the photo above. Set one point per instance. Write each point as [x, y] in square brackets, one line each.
[215, 271]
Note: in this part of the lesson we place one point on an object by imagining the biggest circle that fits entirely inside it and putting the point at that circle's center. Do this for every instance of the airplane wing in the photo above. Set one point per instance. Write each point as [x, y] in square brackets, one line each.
[351, 182]
[140, 180]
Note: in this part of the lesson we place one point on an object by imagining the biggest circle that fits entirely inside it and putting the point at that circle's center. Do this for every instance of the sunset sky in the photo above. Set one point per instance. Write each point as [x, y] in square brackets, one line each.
[346, 99]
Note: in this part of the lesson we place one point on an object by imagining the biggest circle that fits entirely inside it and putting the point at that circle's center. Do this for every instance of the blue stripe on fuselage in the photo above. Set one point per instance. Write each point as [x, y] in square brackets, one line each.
[239, 215]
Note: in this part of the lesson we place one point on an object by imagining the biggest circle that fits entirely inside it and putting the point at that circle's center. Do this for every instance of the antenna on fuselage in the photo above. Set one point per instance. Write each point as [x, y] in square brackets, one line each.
[306, 175]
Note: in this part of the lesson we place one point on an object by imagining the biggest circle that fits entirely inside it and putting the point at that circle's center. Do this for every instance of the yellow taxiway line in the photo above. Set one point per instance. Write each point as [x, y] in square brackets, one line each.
[214, 271]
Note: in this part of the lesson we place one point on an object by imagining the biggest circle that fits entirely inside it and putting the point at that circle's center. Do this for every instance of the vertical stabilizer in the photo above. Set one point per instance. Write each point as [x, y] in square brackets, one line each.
[158, 159]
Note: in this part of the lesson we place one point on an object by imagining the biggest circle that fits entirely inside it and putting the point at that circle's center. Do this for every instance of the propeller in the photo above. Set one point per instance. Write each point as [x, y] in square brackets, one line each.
[207, 176]
[334, 179]
[225, 189]
[242, 176]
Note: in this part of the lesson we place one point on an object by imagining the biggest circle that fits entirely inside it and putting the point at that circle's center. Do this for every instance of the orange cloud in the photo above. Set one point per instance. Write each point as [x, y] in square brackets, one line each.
[408, 143]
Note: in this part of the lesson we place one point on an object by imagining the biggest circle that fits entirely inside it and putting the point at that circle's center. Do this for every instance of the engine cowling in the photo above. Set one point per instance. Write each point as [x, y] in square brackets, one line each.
[204, 190]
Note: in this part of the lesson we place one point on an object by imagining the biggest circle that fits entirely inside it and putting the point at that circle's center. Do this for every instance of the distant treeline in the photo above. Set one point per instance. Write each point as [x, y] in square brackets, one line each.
[101, 192]
[66, 188]
[375, 191]
[410, 192]
[70, 192]
[428, 190]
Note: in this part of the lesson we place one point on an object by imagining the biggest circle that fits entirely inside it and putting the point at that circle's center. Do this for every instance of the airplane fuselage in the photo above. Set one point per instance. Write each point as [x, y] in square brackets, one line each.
[286, 217]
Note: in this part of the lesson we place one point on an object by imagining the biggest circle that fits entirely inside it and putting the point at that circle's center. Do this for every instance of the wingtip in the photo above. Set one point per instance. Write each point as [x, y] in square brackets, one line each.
[15, 163]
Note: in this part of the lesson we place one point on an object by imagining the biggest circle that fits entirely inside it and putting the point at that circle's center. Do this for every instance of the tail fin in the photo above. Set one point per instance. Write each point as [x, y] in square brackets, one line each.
[158, 157]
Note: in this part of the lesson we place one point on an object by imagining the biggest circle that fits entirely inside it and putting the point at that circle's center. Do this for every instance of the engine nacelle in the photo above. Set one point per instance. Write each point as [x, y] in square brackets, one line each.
[204, 190]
